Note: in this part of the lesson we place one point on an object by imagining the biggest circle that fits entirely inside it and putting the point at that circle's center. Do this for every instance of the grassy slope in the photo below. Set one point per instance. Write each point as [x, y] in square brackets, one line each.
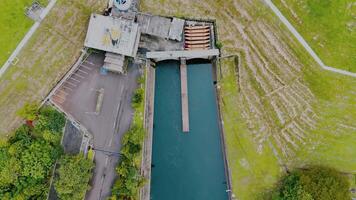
[329, 27]
[50, 52]
[333, 141]
[251, 171]
[255, 171]
[14, 25]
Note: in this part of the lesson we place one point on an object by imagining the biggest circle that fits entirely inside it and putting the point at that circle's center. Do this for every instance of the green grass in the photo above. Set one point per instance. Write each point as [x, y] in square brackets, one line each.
[329, 26]
[332, 143]
[14, 25]
[252, 171]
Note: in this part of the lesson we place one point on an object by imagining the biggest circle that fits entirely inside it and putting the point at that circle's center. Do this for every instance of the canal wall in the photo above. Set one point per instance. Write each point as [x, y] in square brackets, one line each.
[221, 127]
[148, 125]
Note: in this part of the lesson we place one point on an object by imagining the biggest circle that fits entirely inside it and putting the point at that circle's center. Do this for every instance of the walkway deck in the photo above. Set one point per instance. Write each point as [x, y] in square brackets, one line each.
[175, 55]
[184, 91]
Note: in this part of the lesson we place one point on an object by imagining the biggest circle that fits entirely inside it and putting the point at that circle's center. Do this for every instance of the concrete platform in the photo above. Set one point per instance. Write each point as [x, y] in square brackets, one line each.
[184, 91]
[175, 55]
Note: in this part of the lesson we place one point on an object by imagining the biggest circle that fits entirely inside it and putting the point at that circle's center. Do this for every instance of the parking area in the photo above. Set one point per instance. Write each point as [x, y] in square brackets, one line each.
[79, 96]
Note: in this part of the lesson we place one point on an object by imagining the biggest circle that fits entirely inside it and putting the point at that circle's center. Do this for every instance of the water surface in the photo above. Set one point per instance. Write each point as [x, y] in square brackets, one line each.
[186, 166]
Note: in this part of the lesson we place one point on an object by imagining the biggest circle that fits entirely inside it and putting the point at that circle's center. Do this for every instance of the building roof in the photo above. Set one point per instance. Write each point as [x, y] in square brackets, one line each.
[176, 29]
[112, 34]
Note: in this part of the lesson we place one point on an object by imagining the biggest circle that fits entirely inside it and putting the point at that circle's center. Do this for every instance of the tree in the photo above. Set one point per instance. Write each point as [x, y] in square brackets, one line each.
[38, 159]
[314, 183]
[325, 183]
[26, 159]
[50, 119]
[29, 111]
[74, 174]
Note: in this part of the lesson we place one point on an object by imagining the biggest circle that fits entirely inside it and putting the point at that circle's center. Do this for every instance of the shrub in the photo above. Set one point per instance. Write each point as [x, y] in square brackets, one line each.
[28, 112]
[138, 97]
[314, 183]
[74, 174]
[50, 119]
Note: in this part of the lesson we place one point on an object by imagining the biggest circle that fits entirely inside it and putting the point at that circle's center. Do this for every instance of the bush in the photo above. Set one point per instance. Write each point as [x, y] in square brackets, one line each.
[28, 112]
[219, 44]
[137, 97]
[314, 183]
[130, 179]
[50, 119]
[74, 174]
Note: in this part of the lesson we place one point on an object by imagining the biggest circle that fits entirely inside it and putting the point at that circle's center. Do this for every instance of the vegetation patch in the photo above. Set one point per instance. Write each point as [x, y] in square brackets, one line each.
[328, 26]
[73, 176]
[129, 177]
[28, 157]
[313, 183]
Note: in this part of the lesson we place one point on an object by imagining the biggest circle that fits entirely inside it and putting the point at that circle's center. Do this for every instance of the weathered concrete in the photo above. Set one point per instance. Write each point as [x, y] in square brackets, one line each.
[184, 95]
[147, 147]
[72, 139]
[175, 55]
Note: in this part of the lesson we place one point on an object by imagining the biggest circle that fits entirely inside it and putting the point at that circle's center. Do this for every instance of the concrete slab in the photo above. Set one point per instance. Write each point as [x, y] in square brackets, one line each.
[175, 55]
[184, 95]
[72, 139]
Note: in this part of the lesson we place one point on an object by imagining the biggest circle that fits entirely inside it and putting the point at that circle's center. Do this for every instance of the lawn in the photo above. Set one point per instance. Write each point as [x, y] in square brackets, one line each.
[14, 25]
[252, 172]
[328, 26]
[52, 50]
[279, 109]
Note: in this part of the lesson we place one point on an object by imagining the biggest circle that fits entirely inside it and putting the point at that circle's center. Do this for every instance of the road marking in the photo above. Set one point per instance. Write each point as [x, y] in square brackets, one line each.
[66, 87]
[82, 71]
[71, 84]
[74, 79]
[86, 67]
[80, 76]
[65, 93]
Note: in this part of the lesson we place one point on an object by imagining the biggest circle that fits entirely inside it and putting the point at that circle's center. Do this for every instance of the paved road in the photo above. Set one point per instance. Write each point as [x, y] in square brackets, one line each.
[26, 38]
[108, 126]
[303, 42]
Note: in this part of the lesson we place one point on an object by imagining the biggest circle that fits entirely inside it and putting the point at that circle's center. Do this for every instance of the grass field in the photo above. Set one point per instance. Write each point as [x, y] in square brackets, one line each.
[328, 26]
[51, 51]
[279, 109]
[14, 25]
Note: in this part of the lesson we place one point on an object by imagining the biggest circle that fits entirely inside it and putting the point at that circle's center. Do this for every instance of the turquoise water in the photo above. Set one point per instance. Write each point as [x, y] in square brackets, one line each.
[186, 166]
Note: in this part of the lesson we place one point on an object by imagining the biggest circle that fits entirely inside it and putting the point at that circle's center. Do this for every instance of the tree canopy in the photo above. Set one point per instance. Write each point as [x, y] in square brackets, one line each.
[26, 160]
[73, 177]
[313, 183]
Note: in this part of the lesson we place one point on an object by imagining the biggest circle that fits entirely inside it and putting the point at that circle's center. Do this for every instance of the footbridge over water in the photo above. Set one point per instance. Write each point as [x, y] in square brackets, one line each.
[176, 55]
